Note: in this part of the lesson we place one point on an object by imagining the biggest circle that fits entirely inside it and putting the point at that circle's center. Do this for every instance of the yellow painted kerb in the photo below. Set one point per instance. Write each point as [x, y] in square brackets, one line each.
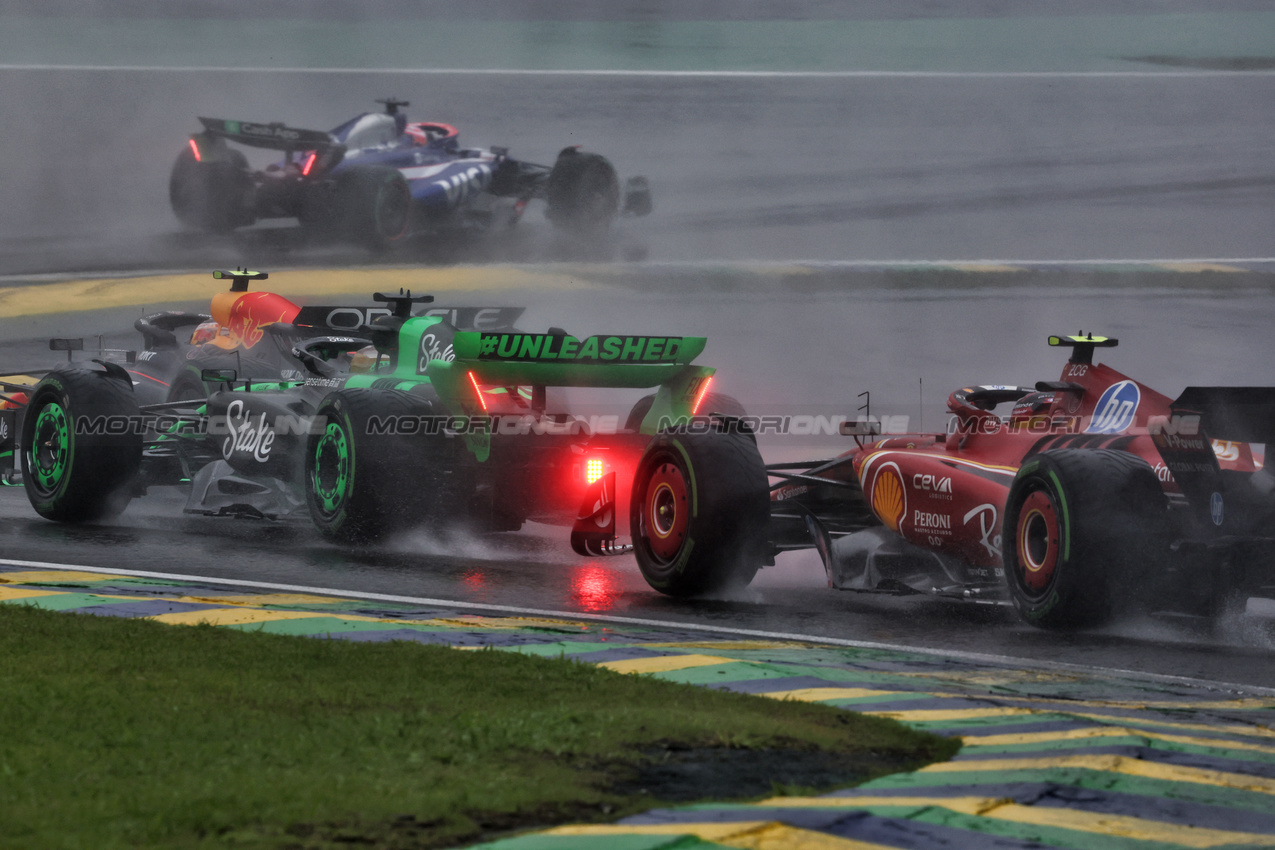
[77, 296]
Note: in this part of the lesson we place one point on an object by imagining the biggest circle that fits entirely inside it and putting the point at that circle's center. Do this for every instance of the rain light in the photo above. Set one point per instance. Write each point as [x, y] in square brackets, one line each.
[703, 391]
[478, 391]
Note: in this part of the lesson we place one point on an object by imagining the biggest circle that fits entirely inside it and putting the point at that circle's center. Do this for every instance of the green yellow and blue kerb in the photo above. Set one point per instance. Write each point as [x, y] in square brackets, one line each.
[1049, 759]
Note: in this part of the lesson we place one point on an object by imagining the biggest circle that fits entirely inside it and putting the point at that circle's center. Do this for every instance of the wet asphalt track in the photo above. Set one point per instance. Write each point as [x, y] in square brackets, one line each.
[766, 170]
[773, 354]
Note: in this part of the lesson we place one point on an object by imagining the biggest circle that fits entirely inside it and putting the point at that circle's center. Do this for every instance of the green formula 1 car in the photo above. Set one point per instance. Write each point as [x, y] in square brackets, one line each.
[407, 421]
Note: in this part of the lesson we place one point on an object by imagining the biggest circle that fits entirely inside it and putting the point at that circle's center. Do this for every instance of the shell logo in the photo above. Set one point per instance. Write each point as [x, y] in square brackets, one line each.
[889, 502]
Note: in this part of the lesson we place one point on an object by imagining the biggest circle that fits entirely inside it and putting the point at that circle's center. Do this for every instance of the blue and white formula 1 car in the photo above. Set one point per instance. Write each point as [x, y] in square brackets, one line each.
[377, 179]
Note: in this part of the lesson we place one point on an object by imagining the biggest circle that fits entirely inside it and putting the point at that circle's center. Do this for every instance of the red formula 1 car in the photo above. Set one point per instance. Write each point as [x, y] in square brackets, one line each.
[1093, 493]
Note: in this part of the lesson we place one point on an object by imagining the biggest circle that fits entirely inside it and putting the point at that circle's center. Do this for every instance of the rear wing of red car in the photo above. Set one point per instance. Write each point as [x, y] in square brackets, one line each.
[1239, 414]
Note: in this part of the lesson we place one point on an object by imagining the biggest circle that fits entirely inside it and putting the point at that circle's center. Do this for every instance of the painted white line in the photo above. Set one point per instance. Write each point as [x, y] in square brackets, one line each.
[975, 657]
[604, 72]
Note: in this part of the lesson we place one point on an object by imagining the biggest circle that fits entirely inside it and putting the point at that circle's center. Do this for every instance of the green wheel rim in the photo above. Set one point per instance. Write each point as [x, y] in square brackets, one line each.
[51, 448]
[331, 469]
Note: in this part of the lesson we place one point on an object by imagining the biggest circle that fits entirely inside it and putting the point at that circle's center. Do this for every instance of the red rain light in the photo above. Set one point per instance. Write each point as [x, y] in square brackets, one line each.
[593, 469]
[478, 391]
[309, 163]
[703, 391]
[194, 148]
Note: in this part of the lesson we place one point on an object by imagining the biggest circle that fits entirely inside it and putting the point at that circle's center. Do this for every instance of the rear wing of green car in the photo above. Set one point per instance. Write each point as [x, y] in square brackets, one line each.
[561, 360]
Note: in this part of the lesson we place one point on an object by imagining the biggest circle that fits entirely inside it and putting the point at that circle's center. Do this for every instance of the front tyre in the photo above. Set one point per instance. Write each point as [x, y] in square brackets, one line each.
[583, 193]
[1081, 527]
[699, 512]
[80, 446]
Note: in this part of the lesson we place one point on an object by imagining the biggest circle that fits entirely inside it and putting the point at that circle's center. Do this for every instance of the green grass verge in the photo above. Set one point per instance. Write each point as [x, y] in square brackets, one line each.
[127, 733]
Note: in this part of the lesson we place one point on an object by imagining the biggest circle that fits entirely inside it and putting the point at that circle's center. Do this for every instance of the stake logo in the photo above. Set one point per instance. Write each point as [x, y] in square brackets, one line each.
[1115, 409]
[433, 349]
[245, 436]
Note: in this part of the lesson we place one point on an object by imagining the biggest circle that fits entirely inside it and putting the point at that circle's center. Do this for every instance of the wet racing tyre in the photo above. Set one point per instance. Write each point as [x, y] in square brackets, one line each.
[371, 468]
[1082, 529]
[699, 512]
[81, 446]
[213, 195]
[375, 204]
[583, 193]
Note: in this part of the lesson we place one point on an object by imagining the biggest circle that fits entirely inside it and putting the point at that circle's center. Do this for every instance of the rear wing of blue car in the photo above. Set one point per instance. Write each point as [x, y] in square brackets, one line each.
[275, 136]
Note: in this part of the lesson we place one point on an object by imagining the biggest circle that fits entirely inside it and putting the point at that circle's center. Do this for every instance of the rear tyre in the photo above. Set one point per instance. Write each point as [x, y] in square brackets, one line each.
[80, 446]
[711, 403]
[373, 470]
[375, 204]
[583, 193]
[215, 194]
[699, 512]
[1082, 526]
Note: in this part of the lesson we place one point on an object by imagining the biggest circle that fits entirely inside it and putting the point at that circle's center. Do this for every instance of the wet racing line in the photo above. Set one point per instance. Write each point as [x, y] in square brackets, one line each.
[1054, 755]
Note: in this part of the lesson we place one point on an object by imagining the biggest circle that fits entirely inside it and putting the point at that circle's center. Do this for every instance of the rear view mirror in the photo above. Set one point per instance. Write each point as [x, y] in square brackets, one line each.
[218, 376]
[860, 428]
[60, 344]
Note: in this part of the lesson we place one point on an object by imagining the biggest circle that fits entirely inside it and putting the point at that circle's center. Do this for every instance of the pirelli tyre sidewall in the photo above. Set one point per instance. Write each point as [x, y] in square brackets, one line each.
[81, 446]
[365, 482]
[1083, 530]
[699, 512]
